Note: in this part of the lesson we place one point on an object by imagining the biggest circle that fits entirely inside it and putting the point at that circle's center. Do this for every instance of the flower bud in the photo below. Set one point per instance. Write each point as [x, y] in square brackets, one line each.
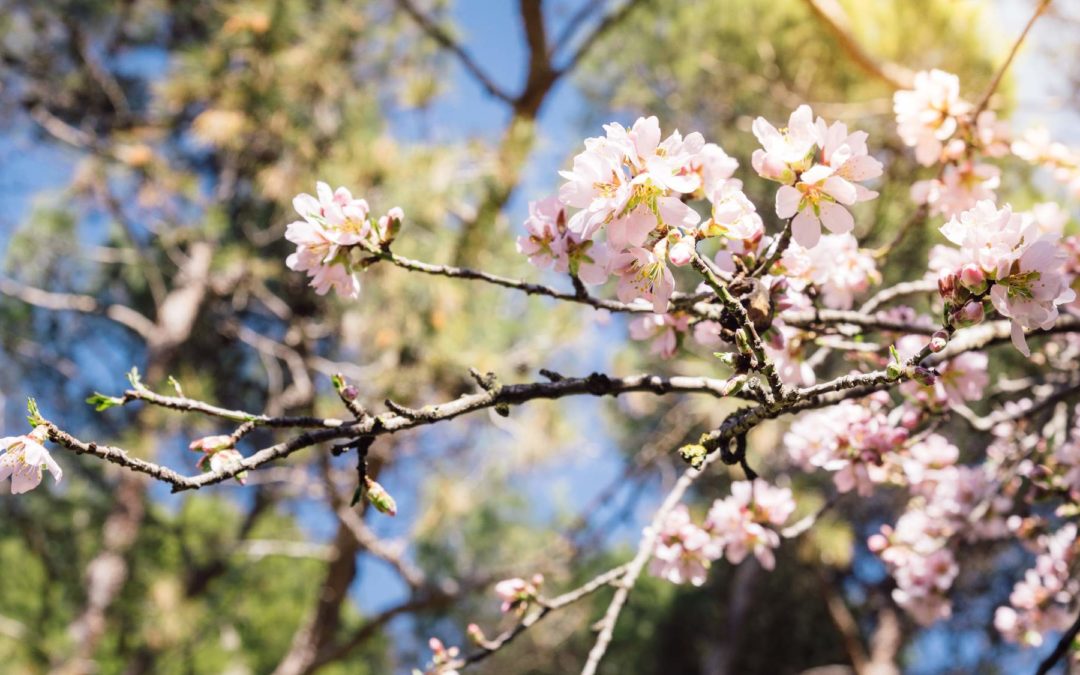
[877, 543]
[210, 444]
[681, 252]
[476, 634]
[894, 370]
[973, 278]
[938, 341]
[922, 375]
[742, 341]
[726, 358]
[946, 284]
[734, 385]
[969, 315]
[378, 497]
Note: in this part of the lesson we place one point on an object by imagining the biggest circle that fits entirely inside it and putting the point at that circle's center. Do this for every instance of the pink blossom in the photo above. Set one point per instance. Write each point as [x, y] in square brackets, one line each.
[644, 274]
[743, 523]
[1030, 289]
[816, 194]
[960, 188]
[332, 223]
[549, 244]
[928, 114]
[683, 551]
[836, 266]
[784, 153]
[715, 167]
[24, 459]
[663, 329]
[963, 378]
[733, 214]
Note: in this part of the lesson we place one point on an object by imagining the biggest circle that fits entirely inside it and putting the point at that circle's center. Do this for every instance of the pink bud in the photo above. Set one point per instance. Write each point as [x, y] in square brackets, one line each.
[970, 314]
[946, 284]
[877, 543]
[938, 341]
[475, 633]
[973, 278]
[680, 252]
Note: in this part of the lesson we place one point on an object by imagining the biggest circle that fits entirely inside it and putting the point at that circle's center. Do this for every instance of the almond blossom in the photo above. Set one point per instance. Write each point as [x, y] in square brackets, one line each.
[683, 550]
[549, 244]
[1044, 600]
[745, 522]
[632, 170]
[815, 194]
[663, 329]
[836, 266]
[928, 114]
[644, 274]
[334, 223]
[960, 187]
[24, 460]
[1030, 289]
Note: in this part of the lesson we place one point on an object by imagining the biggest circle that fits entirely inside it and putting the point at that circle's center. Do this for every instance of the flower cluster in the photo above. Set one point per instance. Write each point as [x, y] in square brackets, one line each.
[951, 503]
[746, 521]
[334, 225]
[929, 115]
[24, 460]
[1005, 259]
[1036, 146]
[743, 523]
[632, 186]
[1044, 600]
[837, 268]
[820, 167]
[854, 440]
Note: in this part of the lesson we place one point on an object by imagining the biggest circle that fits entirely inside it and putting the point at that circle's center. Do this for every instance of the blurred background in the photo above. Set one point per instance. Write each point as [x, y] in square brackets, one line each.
[149, 152]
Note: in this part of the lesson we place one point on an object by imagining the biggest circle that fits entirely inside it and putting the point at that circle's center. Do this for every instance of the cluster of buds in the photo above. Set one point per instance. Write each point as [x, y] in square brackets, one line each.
[517, 594]
[219, 454]
[442, 659]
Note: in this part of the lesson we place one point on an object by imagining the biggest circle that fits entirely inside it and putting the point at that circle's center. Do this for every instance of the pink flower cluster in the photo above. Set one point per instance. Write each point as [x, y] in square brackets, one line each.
[836, 267]
[1004, 257]
[1036, 146]
[929, 115]
[820, 167]
[1044, 601]
[632, 186]
[854, 440]
[333, 225]
[950, 503]
[735, 527]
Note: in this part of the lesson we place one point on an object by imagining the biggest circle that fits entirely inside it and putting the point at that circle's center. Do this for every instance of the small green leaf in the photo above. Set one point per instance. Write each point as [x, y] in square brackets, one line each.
[102, 402]
[176, 386]
[133, 378]
[33, 414]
